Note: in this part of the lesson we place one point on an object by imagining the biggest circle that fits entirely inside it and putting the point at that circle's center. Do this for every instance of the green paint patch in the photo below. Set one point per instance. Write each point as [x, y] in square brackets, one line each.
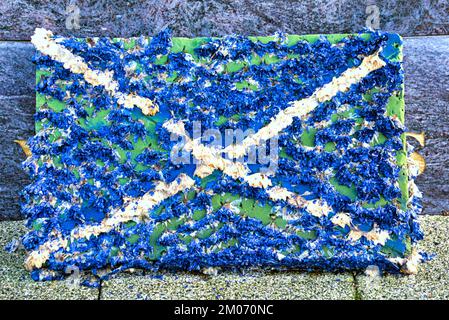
[283, 154]
[378, 139]
[329, 147]
[133, 238]
[199, 214]
[308, 137]
[345, 190]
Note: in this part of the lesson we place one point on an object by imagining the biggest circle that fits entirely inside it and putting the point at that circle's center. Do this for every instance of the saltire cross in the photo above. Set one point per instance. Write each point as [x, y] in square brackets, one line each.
[332, 230]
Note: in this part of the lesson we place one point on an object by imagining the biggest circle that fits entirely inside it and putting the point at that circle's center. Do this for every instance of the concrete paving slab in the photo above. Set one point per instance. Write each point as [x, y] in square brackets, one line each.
[229, 285]
[15, 281]
[432, 281]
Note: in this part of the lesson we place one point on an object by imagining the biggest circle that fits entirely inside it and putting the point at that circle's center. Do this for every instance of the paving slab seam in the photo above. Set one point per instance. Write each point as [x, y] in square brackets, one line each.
[357, 292]
[100, 289]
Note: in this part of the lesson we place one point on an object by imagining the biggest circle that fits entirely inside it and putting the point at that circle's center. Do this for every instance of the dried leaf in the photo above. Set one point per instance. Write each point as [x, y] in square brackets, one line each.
[419, 160]
[418, 137]
[24, 146]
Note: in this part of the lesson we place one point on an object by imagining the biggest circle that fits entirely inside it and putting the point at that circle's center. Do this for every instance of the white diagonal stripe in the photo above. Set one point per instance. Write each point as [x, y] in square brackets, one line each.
[134, 209]
[44, 42]
[210, 157]
[304, 106]
[210, 161]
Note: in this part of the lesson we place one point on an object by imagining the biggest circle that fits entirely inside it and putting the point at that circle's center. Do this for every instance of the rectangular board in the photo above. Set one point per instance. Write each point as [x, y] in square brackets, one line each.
[125, 184]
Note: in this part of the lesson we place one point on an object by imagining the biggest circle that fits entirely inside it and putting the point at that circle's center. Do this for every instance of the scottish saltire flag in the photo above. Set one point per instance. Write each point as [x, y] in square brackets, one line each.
[283, 152]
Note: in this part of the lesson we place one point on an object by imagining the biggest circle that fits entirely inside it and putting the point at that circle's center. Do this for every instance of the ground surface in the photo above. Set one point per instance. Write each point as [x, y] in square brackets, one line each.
[432, 282]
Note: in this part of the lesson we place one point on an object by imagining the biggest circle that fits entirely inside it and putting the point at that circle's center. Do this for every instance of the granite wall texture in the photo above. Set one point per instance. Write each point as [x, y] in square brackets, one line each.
[219, 17]
[426, 59]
